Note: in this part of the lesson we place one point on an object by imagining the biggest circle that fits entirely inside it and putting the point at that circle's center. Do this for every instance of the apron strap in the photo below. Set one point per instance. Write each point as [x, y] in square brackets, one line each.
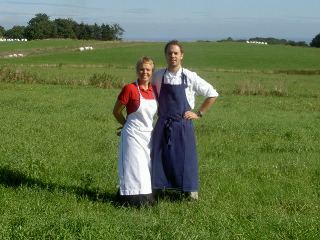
[183, 78]
[137, 84]
[168, 130]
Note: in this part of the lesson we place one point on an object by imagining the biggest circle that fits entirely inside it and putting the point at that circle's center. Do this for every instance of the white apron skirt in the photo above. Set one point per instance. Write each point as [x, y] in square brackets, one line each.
[134, 161]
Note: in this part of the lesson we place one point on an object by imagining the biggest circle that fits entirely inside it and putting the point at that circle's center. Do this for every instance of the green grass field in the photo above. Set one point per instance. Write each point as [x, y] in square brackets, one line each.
[258, 146]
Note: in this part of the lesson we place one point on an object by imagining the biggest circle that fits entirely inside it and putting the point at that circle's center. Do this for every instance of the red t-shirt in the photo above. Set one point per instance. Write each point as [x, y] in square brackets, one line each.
[130, 97]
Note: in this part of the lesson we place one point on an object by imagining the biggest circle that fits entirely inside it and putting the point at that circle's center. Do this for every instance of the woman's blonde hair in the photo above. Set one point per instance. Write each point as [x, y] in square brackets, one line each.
[142, 61]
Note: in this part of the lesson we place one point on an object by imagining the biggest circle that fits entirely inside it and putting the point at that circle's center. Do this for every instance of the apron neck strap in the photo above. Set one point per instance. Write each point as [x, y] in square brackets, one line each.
[183, 78]
[137, 84]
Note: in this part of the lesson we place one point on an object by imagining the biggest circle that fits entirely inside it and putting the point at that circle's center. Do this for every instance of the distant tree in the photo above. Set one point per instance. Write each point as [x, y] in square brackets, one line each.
[39, 18]
[65, 28]
[83, 31]
[96, 32]
[271, 40]
[302, 44]
[117, 31]
[40, 27]
[2, 31]
[89, 31]
[299, 44]
[106, 33]
[315, 41]
[16, 32]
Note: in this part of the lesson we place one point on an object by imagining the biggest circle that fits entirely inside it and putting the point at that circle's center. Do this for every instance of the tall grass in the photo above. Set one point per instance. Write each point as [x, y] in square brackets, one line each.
[23, 76]
[105, 81]
[252, 88]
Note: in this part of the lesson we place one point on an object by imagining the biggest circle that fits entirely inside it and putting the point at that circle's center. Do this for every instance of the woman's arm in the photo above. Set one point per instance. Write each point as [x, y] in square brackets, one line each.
[117, 112]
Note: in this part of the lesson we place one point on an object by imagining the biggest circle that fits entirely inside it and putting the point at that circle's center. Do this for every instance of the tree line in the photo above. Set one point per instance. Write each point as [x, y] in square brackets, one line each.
[269, 40]
[280, 41]
[314, 43]
[41, 27]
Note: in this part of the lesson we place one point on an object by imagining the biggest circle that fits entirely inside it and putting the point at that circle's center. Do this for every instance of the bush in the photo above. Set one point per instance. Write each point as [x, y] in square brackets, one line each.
[105, 81]
[16, 75]
[315, 41]
[253, 88]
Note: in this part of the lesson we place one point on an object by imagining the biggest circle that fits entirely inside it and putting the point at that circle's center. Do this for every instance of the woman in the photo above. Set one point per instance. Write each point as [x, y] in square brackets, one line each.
[134, 162]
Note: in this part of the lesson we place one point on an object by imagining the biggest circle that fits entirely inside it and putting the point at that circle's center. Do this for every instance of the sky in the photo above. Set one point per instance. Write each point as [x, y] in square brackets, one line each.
[184, 20]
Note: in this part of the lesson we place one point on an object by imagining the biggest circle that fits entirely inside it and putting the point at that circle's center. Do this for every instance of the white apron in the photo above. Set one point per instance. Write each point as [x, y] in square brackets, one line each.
[134, 162]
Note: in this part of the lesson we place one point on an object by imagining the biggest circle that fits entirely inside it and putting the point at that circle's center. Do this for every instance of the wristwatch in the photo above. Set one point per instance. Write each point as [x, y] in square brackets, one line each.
[199, 113]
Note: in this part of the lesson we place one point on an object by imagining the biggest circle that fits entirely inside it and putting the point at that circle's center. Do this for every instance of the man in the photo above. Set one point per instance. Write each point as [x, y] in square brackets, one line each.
[175, 162]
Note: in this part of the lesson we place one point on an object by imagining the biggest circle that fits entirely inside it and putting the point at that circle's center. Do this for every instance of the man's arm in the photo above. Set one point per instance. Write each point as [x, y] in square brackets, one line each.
[204, 107]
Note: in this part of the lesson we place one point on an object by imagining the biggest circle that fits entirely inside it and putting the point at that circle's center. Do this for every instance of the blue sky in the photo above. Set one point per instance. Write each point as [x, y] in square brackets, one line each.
[179, 19]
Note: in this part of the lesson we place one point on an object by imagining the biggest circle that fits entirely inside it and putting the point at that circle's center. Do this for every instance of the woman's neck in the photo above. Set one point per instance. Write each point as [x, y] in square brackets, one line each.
[143, 84]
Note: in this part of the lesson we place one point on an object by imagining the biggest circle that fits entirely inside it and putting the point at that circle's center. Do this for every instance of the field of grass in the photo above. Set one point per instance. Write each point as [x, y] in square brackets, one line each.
[48, 45]
[258, 146]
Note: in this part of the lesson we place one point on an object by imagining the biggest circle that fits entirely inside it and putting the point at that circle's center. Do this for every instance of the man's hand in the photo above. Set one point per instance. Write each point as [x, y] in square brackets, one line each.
[190, 115]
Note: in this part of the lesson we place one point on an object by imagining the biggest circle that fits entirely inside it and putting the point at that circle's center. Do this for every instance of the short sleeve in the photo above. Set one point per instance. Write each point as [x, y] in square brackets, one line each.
[125, 94]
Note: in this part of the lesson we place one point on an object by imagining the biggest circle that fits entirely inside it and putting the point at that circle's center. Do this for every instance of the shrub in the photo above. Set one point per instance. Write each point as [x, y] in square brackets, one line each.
[315, 41]
[16, 75]
[105, 81]
[22, 76]
[252, 88]
[249, 88]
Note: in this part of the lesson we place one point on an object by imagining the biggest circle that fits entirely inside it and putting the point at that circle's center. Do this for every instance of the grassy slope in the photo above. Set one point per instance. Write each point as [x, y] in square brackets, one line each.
[43, 45]
[258, 155]
[212, 55]
[208, 59]
[251, 57]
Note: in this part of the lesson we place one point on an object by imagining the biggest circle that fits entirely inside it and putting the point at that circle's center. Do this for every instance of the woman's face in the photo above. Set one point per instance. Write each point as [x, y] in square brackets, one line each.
[145, 72]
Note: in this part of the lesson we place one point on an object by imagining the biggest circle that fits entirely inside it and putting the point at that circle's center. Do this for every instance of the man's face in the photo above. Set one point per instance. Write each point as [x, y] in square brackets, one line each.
[174, 56]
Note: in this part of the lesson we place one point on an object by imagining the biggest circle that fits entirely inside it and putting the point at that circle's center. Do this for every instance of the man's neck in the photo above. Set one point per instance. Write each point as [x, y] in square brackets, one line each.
[174, 69]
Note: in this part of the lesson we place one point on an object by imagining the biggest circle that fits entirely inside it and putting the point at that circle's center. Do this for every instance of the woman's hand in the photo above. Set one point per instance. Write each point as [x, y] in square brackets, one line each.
[119, 133]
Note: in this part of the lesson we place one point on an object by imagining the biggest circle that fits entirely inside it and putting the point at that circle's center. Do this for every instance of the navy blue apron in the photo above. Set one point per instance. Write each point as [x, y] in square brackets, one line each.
[175, 161]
